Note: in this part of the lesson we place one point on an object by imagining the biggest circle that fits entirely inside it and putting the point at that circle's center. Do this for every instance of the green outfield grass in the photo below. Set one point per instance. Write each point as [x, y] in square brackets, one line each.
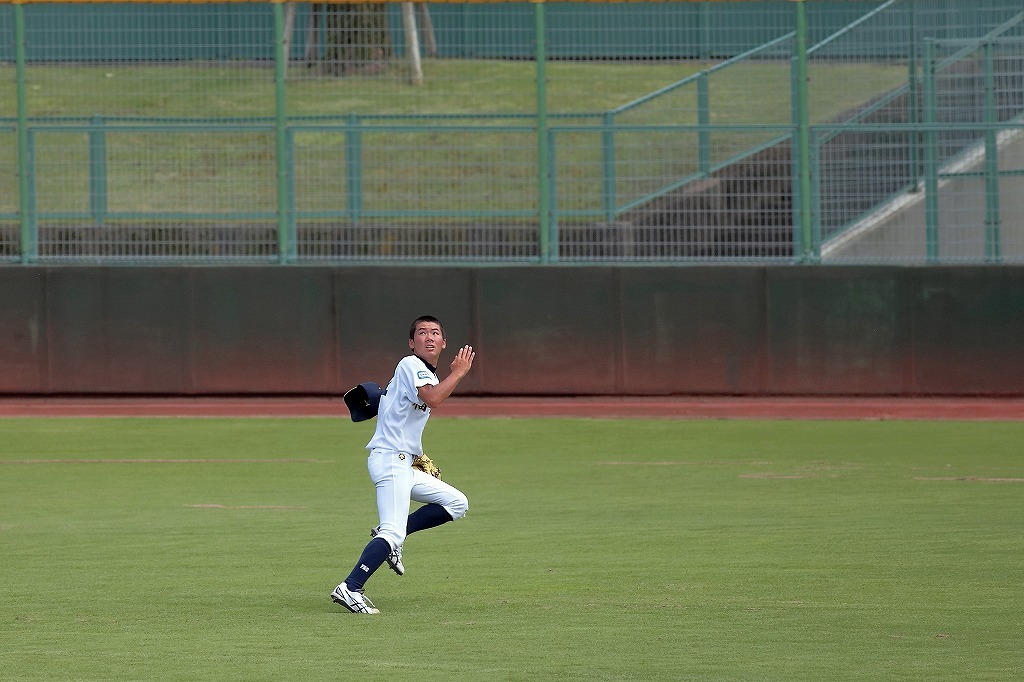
[205, 549]
[202, 170]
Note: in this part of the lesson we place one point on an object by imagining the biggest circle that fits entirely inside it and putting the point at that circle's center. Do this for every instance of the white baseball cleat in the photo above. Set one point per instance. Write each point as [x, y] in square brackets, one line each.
[395, 558]
[352, 600]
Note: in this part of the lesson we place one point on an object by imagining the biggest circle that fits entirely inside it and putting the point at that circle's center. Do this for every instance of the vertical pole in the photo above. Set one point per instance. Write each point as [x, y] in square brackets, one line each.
[608, 163]
[803, 153]
[285, 245]
[412, 43]
[543, 156]
[703, 121]
[704, 23]
[354, 168]
[31, 200]
[289, 26]
[28, 240]
[912, 103]
[815, 201]
[98, 170]
[290, 228]
[931, 155]
[992, 237]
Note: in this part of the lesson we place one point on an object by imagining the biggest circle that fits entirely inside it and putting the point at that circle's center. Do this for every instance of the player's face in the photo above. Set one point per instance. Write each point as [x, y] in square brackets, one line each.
[428, 341]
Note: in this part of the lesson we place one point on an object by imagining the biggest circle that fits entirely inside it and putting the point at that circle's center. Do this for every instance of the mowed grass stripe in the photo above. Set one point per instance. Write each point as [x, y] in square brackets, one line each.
[593, 550]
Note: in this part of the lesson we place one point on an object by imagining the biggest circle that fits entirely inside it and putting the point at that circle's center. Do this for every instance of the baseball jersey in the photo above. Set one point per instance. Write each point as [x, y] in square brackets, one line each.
[401, 416]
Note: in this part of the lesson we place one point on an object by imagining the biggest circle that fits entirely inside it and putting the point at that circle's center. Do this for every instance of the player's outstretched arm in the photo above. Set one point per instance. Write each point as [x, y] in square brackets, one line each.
[432, 396]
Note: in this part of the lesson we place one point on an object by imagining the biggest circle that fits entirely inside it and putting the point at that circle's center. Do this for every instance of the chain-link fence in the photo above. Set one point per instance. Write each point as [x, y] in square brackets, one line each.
[501, 132]
[928, 172]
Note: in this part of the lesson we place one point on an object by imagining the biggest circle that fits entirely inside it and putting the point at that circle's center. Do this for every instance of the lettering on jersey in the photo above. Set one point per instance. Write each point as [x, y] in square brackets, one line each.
[419, 406]
[422, 375]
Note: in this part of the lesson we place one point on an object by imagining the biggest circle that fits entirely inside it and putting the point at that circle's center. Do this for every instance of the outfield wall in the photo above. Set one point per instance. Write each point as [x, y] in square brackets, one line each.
[538, 330]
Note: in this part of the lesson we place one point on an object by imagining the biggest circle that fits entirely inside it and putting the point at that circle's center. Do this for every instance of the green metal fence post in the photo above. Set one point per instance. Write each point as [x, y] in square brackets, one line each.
[285, 245]
[704, 121]
[30, 225]
[704, 29]
[98, 170]
[28, 236]
[553, 237]
[912, 103]
[608, 166]
[993, 249]
[931, 155]
[354, 168]
[291, 193]
[802, 157]
[815, 202]
[548, 251]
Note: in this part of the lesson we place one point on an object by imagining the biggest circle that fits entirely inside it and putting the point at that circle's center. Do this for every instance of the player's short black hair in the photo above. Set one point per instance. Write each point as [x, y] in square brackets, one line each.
[425, 318]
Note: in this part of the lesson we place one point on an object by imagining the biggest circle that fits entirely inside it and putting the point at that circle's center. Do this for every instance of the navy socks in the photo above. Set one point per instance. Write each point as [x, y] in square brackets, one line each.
[375, 554]
[377, 550]
[427, 516]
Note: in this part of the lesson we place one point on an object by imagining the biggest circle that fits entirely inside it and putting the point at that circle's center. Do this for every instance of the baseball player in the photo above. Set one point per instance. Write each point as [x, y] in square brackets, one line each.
[402, 413]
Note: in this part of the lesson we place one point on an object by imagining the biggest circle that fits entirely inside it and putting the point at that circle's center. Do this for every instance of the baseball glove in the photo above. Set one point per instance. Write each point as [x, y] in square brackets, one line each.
[426, 465]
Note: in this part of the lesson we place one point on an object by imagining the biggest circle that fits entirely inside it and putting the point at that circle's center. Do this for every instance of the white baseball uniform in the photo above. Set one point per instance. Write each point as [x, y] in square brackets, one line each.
[396, 440]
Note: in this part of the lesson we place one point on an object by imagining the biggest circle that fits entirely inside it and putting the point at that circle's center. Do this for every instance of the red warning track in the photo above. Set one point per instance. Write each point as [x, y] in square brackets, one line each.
[976, 409]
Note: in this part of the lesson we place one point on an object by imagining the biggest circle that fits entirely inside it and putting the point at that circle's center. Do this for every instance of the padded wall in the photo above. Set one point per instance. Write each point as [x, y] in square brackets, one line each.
[539, 330]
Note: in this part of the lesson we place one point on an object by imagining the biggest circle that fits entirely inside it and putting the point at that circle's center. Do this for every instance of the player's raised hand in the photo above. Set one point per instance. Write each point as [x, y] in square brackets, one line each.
[463, 360]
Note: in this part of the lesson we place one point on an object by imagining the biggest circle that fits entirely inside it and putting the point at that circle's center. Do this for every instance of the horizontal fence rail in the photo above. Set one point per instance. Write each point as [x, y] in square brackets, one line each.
[811, 132]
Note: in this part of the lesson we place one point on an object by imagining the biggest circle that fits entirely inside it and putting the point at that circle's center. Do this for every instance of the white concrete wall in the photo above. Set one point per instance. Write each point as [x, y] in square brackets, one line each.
[897, 232]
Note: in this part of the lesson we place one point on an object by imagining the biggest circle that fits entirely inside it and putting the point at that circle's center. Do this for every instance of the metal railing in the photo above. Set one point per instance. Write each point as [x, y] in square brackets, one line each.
[658, 178]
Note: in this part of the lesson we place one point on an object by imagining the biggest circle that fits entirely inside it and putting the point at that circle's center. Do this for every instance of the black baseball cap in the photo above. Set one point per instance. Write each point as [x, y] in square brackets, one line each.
[363, 400]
